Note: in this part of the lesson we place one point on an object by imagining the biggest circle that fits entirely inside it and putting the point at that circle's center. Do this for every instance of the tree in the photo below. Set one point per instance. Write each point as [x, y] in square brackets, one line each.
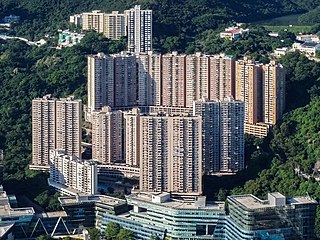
[125, 234]
[112, 230]
[94, 234]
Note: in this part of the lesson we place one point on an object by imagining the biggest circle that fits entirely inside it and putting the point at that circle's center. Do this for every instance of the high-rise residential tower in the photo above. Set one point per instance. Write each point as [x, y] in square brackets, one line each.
[222, 134]
[100, 81]
[222, 77]
[111, 25]
[197, 78]
[55, 123]
[132, 137]
[107, 136]
[248, 89]
[114, 25]
[68, 125]
[149, 79]
[171, 156]
[93, 21]
[125, 80]
[273, 90]
[174, 80]
[139, 25]
[43, 129]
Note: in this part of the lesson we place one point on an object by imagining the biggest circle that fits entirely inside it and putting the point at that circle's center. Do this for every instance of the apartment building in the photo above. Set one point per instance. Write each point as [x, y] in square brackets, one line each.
[222, 77]
[149, 79]
[273, 89]
[111, 25]
[170, 154]
[132, 137]
[55, 123]
[139, 29]
[174, 79]
[70, 175]
[222, 134]
[107, 136]
[197, 78]
[100, 81]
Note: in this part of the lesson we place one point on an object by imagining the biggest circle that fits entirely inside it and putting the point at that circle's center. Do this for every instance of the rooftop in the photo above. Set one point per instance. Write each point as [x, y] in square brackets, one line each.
[176, 203]
[7, 211]
[110, 201]
[252, 202]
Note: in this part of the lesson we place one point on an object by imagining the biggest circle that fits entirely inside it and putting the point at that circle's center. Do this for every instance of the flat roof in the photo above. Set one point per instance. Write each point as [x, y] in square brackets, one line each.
[7, 211]
[250, 201]
[111, 201]
[176, 203]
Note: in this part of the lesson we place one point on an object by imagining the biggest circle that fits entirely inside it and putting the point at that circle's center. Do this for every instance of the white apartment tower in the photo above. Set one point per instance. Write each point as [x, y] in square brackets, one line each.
[171, 155]
[69, 171]
[55, 123]
[139, 29]
[273, 90]
[100, 81]
[222, 134]
[149, 79]
[107, 136]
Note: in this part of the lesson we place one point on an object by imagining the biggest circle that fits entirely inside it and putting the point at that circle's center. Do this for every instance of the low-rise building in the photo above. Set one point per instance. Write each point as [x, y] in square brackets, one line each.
[233, 33]
[308, 38]
[308, 48]
[253, 218]
[69, 39]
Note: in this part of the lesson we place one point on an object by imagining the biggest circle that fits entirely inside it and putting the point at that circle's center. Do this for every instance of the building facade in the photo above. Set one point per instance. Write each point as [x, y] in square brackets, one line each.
[55, 123]
[70, 175]
[273, 89]
[170, 154]
[107, 136]
[139, 25]
[222, 134]
[174, 80]
[100, 81]
[222, 77]
[149, 79]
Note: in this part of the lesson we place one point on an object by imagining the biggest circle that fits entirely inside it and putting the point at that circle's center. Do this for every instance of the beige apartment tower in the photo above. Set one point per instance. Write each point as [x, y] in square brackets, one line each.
[174, 80]
[111, 25]
[170, 154]
[248, 89]
[222, 77]
[68, 125]
[43, 130]
[93, 21]
[107, 136]
[100, 81]
[197, 78]
[273, 89]
[56, 123]
[149, 79]
[132, 137]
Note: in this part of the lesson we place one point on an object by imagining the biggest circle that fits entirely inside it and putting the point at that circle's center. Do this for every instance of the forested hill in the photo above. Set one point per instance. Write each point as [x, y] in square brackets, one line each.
[171, 17]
